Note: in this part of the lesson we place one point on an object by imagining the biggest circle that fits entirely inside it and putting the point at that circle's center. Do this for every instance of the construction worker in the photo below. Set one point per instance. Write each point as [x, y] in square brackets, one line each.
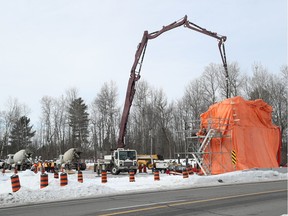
[52, 166]
[46, 166]
[39, 165]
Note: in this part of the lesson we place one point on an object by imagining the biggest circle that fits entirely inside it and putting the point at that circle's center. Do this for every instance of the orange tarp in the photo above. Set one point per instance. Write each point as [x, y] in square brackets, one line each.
[247, 130]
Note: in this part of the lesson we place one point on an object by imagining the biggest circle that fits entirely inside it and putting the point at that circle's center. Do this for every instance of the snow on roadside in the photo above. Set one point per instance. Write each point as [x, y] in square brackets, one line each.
[30, 191]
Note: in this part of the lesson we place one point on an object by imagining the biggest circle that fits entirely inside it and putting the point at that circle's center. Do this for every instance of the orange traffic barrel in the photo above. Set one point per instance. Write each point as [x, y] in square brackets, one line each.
[131, 176]
[15, 183]
[80, 177]
[43, 180]
[56, 175]
[63, 179]
[156, 175]
[185, 173]
[104, 177]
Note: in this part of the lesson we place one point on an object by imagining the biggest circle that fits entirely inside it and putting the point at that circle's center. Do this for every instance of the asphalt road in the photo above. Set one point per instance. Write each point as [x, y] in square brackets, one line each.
[265, 198]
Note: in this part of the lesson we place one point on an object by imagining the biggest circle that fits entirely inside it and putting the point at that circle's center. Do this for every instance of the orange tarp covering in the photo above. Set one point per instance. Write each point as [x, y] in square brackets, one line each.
[247, 130]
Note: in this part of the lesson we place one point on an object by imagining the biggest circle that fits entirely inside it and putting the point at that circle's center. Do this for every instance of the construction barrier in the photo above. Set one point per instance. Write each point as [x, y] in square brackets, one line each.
[15, 183]
[156, 175]
[56, 175]
[185, 173]
[131, 176]
[80, 176]
[104, 176]
[43, 180]
[190, 170]
[63, 179]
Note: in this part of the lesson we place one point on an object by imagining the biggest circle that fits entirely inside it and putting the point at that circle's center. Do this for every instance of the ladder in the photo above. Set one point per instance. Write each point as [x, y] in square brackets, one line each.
[207, 140]
[198, 156]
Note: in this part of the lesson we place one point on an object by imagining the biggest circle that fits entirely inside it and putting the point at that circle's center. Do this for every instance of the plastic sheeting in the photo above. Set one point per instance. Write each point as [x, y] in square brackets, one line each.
[248, 138]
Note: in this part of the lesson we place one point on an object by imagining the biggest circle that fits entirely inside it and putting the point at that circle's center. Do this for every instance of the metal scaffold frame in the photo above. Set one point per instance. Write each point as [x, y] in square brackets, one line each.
[199, 139]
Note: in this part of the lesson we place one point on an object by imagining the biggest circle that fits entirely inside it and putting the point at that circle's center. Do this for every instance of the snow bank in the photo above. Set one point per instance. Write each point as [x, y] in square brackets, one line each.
[30, 191]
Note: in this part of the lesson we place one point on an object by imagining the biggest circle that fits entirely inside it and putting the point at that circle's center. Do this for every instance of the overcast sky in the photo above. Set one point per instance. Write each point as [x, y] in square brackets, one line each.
[47, 47]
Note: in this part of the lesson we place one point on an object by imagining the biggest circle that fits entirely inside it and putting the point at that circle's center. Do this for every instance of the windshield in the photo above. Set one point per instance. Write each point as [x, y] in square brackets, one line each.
[124, 155]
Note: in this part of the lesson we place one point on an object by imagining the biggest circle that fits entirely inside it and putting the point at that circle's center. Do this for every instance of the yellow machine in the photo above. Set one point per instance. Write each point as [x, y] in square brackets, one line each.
[148, 160]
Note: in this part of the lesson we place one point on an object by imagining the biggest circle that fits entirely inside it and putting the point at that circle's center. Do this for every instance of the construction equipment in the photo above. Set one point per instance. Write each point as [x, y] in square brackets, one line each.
[153, 162]
[70, 160]
[137, 64]
[148, 160]
[21, 160]
[120, 160]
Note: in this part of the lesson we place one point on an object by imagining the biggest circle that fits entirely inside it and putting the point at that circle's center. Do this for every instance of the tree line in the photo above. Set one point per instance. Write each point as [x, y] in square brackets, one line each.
[155, 124]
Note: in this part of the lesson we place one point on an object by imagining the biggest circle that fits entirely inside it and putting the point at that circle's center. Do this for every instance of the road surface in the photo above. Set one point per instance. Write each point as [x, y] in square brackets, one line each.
[263, 198]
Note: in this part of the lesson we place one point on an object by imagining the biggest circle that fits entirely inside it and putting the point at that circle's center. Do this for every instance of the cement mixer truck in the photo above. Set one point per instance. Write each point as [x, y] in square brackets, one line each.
[71, 160]
[21, 160]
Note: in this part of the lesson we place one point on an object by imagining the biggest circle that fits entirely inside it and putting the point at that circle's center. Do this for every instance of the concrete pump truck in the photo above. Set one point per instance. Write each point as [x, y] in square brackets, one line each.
[122, 159]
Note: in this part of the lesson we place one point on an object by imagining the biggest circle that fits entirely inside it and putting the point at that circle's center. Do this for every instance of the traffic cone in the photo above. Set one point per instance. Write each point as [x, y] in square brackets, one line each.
[43, 180]
[156, 175]
[80, 176]
[15, 183]
[131, 176]
[185, 173]
[63, 179]
[56, 175]
[104, 176]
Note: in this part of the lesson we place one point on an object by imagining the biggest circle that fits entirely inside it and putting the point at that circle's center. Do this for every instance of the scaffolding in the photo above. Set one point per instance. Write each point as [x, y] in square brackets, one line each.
[199, 141]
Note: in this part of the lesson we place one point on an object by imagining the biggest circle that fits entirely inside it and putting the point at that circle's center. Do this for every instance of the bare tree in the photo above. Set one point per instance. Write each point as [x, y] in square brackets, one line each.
[235, 80]
[193, 98]
[163, 116]
[210, 84]
[105, 117]
[60, 122]
[142, 118]
[279, 102]
[8, 118]
[259, 84]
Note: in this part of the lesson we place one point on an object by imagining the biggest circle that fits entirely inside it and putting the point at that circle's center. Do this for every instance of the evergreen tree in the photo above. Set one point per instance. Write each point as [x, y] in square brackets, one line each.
[78, 121]
[21, 134]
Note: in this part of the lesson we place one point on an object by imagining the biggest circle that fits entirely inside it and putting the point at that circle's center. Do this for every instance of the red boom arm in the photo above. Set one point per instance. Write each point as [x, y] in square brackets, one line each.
[139, 56]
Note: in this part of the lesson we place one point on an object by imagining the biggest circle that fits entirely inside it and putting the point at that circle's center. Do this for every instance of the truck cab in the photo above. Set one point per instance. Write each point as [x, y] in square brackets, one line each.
[9, 161]
[120, 160]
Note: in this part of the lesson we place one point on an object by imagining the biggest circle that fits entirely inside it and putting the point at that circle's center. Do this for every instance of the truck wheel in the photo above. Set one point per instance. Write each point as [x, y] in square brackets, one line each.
[115, 171]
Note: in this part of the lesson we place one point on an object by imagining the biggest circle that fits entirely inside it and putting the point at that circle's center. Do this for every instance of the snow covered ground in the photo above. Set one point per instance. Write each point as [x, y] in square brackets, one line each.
[30, 191]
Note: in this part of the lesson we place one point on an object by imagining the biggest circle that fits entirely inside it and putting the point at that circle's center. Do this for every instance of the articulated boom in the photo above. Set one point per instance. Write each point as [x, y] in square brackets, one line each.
[139, 56]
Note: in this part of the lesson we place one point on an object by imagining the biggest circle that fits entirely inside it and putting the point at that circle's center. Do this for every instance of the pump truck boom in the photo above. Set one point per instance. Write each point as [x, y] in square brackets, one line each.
[137, 64]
